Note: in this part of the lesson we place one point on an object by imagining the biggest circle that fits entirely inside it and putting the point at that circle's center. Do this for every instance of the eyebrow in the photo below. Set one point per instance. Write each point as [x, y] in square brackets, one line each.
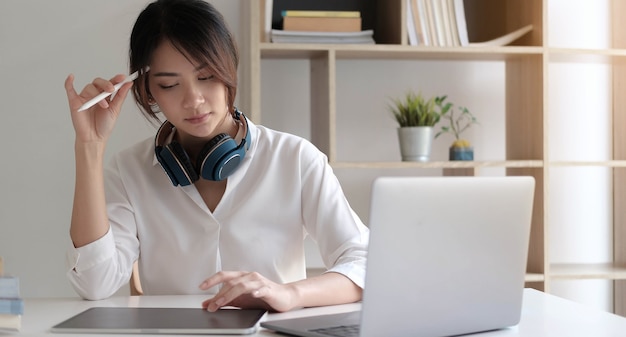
[170, 74]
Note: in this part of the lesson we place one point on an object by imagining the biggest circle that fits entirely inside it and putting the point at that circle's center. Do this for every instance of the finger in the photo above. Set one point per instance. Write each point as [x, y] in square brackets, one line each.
[112, 101]
[219, 277]
[120, 96]
[117, 78]
[72, 95]
[261, 292]
[103, 85]
[246, 285]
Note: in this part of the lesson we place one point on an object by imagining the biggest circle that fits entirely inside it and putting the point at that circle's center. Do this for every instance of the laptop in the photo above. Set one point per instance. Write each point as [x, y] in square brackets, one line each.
[447, 256]
[120, 320]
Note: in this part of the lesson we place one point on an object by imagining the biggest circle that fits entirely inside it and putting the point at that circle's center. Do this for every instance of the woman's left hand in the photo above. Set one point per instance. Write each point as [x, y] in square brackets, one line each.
[248, 290]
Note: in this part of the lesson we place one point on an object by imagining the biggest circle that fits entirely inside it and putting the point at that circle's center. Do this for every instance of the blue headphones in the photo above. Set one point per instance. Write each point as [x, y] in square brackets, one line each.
[218, 159]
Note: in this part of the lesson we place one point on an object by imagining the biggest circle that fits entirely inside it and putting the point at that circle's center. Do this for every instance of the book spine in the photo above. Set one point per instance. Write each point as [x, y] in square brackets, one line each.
[9, 287]
[10, 322]
[266, 18]
[410, 25]
[423, 20]
[321, 24]
[317, 14]
[11, 306]
[454, 28]
[461, 24]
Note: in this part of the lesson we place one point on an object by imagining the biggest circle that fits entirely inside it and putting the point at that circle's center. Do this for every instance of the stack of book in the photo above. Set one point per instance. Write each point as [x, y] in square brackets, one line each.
[442, 23]
[310, 26]
[11, 305]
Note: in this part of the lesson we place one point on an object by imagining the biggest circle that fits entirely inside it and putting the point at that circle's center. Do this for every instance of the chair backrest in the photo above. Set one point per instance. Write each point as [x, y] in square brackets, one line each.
[135, 282]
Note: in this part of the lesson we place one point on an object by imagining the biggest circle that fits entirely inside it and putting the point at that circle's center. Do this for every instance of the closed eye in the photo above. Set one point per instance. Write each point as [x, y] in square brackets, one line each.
[206, 78]
[163, 86]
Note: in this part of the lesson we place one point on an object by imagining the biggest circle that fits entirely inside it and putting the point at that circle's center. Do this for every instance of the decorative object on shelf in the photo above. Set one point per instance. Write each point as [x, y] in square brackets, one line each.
[417, 116]
[461, 149]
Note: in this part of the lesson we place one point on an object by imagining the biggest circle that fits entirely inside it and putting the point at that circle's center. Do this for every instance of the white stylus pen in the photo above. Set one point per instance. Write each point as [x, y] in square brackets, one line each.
[105, 94]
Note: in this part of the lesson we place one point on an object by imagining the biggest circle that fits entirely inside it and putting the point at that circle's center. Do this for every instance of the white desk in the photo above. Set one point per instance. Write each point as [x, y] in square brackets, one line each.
[543, 315]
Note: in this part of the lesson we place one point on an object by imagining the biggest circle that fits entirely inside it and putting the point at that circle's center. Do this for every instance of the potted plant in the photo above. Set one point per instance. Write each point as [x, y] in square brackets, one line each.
[459, 120]
[417, 116]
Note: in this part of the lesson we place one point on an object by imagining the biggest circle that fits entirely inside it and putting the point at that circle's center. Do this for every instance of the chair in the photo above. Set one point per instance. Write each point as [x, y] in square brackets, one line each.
[135, 282]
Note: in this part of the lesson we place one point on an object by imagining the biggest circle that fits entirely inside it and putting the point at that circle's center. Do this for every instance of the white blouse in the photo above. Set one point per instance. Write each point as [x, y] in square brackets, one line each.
[283, 190]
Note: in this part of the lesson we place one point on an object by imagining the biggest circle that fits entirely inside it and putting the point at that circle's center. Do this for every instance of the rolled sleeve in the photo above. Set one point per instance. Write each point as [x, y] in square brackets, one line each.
[88, 256]
[93, 270]
[338, 231]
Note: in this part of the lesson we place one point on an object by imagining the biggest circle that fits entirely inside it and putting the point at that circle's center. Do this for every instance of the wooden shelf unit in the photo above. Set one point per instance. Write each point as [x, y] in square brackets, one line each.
[526, 72]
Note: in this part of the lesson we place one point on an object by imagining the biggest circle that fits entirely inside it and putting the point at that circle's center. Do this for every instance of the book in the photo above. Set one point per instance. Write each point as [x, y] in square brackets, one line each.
[447, 24]
[430, 20]
[505, 39]
[9, 286]
[10, 322]
[266, 18]
[419, 7]
[11, 306]
[437, 15]
[362, 37]
[461, 23]
[454, 31]
[410, 25]
[317, 14]
[322, 24]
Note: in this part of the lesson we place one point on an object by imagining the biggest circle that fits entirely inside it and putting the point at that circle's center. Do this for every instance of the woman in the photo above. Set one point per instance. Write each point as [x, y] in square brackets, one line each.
[214, 204]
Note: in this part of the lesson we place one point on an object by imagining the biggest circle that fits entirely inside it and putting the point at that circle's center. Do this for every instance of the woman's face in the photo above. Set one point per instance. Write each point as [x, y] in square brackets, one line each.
[188, 95]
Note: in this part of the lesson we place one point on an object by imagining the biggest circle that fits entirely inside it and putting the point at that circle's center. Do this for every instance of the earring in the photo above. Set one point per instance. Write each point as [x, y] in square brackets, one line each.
[154, 107]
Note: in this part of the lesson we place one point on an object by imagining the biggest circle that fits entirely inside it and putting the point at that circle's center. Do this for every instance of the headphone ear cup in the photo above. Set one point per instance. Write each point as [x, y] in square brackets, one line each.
[216, 160]
[183, 163]
[176, 164]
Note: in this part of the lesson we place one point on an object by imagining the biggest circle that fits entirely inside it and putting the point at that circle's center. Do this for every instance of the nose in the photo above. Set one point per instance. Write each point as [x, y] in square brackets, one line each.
[192, 97]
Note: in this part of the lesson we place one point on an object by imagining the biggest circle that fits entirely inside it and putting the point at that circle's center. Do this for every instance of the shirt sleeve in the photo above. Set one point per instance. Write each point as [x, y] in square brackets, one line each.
[100, 268]
[338, 231]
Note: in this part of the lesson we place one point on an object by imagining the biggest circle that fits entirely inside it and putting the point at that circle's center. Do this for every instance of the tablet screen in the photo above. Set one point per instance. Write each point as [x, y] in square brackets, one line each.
[162, 320]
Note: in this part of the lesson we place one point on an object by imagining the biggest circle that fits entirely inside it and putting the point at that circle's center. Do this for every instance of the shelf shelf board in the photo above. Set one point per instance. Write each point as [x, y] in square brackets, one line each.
[584, 55]
[585, 51]
[608, 163]
[567, 271]
[534, 277]
[439, 164]
[387, 51]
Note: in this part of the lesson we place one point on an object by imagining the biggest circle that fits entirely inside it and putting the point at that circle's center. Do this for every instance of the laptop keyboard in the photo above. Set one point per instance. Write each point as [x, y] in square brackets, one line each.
[339, 331]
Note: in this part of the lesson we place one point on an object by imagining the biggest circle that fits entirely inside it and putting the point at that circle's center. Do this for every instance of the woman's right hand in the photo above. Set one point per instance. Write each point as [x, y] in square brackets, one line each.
[96, 123]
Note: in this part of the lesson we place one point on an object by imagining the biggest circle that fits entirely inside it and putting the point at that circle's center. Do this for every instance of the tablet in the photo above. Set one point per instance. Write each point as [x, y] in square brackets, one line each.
[162, 321]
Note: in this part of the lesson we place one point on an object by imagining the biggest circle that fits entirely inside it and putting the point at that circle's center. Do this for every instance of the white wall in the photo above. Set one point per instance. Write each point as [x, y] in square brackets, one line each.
[42, 41]
[580, 102]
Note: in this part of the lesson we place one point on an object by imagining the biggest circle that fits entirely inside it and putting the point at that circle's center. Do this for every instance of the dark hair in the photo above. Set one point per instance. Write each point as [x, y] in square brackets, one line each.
[197, 30]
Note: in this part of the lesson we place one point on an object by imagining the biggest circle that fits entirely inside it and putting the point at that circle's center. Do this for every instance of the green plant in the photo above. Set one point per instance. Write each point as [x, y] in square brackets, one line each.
[415, 110]
[457, 124]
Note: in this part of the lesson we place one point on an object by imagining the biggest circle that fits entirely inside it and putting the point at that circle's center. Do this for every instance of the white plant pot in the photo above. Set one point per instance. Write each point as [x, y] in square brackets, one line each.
[415, 142]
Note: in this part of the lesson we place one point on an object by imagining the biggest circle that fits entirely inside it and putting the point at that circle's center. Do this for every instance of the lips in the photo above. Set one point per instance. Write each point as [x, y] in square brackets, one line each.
[198, 118]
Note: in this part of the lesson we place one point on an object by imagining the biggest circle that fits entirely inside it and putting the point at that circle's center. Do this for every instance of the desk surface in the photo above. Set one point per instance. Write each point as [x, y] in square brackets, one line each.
[542, 315]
